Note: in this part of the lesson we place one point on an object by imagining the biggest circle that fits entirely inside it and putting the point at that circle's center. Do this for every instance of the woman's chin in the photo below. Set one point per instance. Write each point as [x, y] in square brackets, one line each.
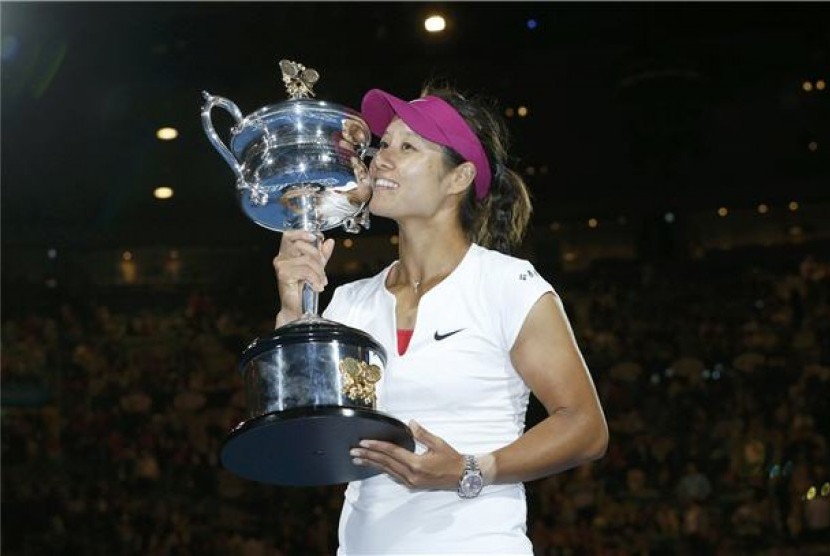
[378, 207]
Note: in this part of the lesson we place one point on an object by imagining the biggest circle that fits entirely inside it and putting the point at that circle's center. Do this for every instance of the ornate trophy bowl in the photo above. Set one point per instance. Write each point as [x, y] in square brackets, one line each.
[310, 384]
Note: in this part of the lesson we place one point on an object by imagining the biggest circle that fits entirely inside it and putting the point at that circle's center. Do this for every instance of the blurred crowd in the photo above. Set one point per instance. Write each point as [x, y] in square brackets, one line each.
[715, 377]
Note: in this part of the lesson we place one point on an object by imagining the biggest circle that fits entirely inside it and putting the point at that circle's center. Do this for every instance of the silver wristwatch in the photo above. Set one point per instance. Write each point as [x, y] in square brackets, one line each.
[471, 481]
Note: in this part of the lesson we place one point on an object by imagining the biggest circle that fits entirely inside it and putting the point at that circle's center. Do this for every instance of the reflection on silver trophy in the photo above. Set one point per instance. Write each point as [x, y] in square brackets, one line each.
[310, 385]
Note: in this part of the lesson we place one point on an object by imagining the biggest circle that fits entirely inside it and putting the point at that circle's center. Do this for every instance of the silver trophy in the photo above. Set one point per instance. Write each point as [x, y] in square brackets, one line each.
[310, 385]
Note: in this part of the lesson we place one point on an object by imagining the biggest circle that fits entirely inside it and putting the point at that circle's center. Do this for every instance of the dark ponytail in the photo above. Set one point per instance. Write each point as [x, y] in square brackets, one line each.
[499, 220]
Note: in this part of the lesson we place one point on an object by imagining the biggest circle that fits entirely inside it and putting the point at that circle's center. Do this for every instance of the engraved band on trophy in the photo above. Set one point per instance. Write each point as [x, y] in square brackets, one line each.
[310, 385]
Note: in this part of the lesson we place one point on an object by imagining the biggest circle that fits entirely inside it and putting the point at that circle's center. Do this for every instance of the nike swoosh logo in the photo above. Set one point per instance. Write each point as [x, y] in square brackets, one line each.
[438, 337]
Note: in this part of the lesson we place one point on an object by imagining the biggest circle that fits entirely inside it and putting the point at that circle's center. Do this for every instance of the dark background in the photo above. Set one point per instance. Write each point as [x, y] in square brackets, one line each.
[632, 107]
[708, 337]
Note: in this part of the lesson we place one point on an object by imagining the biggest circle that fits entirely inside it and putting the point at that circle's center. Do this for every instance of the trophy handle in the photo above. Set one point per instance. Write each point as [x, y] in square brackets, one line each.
[366, 152]
[207, 123]
[353, 224]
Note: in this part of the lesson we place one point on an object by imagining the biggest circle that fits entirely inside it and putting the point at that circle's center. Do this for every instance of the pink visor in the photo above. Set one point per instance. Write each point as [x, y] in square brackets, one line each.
[433, 119]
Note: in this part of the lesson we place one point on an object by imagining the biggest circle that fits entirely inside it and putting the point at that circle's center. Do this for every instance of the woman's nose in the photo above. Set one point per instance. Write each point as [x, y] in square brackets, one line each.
[382, 159]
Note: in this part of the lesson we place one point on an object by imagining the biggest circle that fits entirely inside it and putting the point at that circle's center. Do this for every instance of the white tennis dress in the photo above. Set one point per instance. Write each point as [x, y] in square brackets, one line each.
[456, 380]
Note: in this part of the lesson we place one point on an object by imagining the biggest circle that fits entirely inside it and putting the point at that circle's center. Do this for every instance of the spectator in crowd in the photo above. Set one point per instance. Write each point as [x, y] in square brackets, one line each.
[120, 454]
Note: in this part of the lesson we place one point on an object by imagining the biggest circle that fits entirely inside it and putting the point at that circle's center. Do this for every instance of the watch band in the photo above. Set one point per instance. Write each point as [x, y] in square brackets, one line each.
[470, 463]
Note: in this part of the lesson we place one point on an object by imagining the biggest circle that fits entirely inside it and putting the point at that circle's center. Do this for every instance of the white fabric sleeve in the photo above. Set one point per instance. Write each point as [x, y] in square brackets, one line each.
[519, 289]
[338, 306]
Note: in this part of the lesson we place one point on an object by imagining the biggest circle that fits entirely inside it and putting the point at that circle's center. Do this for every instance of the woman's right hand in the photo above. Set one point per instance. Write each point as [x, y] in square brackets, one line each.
[298, 261]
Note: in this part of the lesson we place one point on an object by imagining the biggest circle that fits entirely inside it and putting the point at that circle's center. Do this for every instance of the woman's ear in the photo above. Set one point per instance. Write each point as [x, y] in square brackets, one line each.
[462, 177]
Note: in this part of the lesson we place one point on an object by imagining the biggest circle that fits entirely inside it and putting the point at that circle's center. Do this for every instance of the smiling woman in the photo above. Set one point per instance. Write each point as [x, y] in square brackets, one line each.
[471, 330]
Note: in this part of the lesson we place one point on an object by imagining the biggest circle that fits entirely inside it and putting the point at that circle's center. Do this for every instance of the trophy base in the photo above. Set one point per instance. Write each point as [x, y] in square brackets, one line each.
[308, 446]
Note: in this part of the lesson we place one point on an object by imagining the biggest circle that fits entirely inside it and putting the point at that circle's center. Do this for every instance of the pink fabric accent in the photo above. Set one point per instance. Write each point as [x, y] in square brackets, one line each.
[403, 340]
[435, 120]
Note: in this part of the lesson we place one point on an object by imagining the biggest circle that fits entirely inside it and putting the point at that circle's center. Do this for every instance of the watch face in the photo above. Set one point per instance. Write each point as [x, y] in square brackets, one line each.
[472, 484]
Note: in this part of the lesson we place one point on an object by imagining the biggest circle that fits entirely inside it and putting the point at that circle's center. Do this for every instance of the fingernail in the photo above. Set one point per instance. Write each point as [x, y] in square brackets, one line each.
[354, 452]
[364, 443]
[357, 461]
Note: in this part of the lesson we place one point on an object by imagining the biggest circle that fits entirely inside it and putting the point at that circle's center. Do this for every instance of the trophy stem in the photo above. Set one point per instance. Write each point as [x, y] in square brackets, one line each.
[309, 299]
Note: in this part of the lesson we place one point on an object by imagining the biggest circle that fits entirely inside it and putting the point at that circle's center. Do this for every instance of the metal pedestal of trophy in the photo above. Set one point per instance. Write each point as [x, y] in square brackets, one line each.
[310, 384]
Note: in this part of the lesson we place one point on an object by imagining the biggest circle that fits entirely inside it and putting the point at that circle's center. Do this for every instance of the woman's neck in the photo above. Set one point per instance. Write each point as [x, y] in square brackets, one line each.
[426, 257]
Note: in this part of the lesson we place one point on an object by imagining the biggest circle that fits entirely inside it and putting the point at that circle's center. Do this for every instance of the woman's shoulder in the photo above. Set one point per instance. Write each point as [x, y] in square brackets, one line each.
[498, 273]
[363, 293]
[364, 287]
[495, 263]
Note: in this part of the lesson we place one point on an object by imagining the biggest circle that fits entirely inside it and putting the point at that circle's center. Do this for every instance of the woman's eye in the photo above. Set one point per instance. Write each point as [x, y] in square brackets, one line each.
[407, 146]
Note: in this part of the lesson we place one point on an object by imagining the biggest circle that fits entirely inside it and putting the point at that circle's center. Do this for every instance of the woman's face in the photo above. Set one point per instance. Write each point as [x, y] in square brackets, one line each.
[408, 174]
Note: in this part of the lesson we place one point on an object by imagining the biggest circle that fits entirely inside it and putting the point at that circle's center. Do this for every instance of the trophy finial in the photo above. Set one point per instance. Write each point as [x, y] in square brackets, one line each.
[298, 79]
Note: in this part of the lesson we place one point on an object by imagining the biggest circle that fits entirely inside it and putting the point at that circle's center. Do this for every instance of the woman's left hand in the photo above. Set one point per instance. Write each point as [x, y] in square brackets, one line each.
[439, 467]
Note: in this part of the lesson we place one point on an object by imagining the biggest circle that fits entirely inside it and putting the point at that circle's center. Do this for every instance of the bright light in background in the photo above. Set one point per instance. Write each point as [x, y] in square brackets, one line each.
[722, 211]
[163, 192]
[532, 23]
[763, 208]
[807, 86]
[167, 133]
[126, 256]
[52, 253]
[793, 206]
[669, 217]
[522, 111]
[593, 223]
[347, 243]
[509, 112]
[820, 84]
[813, 146]
[435, 24]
